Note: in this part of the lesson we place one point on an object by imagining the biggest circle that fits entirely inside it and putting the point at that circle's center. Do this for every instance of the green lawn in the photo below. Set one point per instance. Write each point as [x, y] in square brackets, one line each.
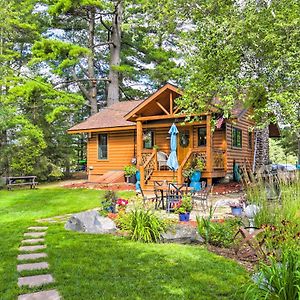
[108, 267]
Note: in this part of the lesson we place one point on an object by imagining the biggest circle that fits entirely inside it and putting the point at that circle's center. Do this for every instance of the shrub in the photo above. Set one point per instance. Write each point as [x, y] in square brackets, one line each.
[142, 225]
[218, 234]
[278, 280]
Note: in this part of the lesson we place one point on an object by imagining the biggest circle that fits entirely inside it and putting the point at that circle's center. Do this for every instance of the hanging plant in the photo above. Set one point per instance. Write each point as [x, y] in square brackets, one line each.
[184, 140]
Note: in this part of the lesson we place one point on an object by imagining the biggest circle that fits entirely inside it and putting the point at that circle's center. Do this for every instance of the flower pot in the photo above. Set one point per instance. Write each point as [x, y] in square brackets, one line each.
[130, 179]
[195, 181]
[196, 176]
[184, 217]
[236, 211]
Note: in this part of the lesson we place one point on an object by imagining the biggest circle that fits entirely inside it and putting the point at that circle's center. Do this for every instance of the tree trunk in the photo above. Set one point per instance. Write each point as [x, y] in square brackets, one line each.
[261, 147]
[91, 68]
[113, 92]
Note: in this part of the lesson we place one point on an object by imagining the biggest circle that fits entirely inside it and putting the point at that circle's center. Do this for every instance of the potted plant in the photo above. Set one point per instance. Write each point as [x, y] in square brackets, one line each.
[236, 208]
[129, 173]
[184, 207]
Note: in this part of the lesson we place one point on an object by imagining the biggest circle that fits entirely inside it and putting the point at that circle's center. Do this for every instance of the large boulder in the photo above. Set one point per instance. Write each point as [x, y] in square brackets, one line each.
[91, 222]
[182, 234]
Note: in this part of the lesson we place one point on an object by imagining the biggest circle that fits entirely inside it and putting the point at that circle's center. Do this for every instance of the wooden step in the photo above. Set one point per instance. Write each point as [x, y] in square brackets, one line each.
[111, 177]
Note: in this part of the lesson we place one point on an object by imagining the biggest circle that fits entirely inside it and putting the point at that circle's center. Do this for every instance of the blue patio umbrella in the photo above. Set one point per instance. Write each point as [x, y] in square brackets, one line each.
[172, 161]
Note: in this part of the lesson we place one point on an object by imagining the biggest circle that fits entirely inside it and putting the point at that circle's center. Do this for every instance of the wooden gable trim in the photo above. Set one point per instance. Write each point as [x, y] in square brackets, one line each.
[151, 98]
[162, 108]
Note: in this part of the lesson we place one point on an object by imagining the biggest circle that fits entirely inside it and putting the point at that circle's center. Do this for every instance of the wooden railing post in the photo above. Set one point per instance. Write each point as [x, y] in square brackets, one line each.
[209, 158]
[142, 173]
[155, 159]
[179, 175]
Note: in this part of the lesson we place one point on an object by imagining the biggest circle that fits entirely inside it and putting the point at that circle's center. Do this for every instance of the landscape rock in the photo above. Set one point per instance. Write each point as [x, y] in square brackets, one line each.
[182, 234]
[91, 222]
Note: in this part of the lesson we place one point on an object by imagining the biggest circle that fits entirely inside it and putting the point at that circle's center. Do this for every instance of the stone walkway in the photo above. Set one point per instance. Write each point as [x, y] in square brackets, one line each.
[34, 241]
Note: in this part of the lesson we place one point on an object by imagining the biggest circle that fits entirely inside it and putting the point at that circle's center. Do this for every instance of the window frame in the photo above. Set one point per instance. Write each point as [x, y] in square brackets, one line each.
[234, 137]
[152, 140]
[198, 136]
[98, 146]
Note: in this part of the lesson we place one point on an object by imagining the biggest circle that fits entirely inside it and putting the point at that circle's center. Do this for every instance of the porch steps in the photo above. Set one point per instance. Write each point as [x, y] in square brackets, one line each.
[111, 177]
[160, 175]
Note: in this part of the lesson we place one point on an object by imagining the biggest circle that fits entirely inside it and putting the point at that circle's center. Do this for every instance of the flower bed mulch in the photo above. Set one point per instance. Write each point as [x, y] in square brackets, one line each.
[227, 188]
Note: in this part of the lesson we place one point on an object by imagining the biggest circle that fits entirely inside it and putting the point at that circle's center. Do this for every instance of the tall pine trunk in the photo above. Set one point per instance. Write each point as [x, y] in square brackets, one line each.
[91, 68]
[113, 91]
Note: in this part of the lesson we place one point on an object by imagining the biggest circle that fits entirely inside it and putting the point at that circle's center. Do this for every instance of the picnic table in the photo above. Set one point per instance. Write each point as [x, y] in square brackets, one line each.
[21, 181]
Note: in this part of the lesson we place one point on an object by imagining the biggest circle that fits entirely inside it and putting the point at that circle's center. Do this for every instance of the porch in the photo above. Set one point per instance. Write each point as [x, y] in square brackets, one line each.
[150, 172]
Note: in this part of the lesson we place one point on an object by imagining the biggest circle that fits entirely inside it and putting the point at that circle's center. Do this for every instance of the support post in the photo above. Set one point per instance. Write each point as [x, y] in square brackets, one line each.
[142, 173]
[139, 142]
[209, 158]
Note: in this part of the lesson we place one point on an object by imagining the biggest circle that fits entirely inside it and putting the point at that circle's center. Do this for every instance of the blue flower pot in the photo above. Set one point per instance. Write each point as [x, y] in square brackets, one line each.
[195, 181]
[236, 211]
[196, 176]
[184, 217]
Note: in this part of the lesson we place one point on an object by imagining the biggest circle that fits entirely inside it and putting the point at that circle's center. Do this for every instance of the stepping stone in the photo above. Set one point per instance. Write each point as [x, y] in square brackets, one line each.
[35, 234]
[38, 228]
[32, 248]
[33, 241]
[37, 280]
[46, 295]
[33, 266]
[31, 256]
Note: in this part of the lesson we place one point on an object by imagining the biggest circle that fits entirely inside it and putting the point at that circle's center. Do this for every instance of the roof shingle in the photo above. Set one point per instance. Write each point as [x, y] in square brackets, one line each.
[112, 116]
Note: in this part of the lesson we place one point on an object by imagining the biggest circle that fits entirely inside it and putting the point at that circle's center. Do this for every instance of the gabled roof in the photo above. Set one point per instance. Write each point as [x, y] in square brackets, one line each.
[159, 93]
[109, 117]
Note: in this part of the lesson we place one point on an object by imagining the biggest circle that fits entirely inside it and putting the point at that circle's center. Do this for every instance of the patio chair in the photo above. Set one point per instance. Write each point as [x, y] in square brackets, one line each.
[201, 197]
[154, 199]
[175, 194]
[162, 159]
[159, 191]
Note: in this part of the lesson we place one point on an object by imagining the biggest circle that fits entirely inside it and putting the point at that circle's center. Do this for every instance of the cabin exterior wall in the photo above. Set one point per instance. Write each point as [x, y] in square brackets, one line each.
[120, 152]
[246, 152]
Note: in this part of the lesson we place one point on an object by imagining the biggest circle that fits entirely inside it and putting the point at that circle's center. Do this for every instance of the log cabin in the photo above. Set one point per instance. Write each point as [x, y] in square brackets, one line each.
[133, 131]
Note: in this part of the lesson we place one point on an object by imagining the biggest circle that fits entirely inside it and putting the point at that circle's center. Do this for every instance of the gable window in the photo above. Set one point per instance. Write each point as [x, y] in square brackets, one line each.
[250, 139]
[102, 146]
[148, 139]
[202, 136]
[236, 137]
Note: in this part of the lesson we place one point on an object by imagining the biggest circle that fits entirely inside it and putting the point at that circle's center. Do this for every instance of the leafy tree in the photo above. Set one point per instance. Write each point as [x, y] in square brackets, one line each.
[246, 51]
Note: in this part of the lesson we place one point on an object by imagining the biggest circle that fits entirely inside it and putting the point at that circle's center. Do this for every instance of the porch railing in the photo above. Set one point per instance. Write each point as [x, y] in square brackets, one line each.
[218, 156]
[192, 153]
[218, 159]
[148, 165]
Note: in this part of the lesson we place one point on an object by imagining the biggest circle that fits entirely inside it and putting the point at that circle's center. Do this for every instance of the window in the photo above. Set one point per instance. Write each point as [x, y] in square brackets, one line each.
[236, 137]
[202, 136]
[250, 140]
[102, 146]
[148, 139]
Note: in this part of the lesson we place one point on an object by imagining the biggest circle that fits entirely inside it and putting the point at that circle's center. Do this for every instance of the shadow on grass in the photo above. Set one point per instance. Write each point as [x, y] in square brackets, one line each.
[108, 267]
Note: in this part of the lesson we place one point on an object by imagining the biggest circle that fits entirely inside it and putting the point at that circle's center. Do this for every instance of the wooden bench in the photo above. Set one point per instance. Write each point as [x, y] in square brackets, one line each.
[21, 181]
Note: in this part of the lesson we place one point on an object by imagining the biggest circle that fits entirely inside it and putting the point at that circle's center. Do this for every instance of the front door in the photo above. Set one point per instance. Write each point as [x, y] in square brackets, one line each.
[184, 143]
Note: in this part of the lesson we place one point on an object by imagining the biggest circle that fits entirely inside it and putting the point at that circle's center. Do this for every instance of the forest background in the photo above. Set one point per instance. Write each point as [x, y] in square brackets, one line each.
[63, 60]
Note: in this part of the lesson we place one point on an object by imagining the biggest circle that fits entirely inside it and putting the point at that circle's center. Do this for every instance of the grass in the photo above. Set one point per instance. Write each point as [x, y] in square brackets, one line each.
[107, 267]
